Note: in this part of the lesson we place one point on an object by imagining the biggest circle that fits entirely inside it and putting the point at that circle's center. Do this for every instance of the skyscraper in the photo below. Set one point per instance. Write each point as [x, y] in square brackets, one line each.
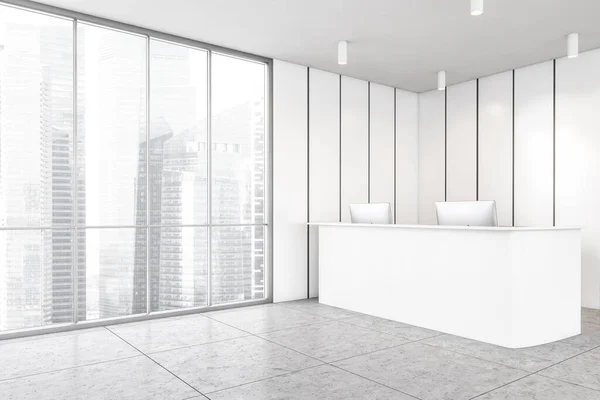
[36, 113]
[117, 221]
[148, 194]
[238, 252]
[238, 197]
[58, 77]
[183, 264]
[258, 149]
[173, 107]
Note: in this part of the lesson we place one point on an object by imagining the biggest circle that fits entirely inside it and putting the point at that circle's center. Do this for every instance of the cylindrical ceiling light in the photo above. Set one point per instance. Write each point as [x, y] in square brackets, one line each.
[573, 45]
[476, 7]
[343, 52]
[441, 80]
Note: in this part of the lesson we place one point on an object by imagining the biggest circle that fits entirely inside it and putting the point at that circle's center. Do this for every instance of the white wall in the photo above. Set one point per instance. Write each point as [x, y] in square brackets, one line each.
[354, 144]
[553, 145]
[407, 162]
[461, 142]
[496, 143]
[321, 127]
[381, 136]
[578, 160]
[324, 161]
[290, 181]
[431, 171]
[534, 145]
[556, 163]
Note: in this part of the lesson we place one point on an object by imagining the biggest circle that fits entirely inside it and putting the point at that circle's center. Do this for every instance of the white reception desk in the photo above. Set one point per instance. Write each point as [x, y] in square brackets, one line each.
[513, 287]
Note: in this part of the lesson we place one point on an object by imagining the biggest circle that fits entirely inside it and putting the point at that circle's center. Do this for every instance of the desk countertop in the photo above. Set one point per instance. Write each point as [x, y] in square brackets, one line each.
[447, 227]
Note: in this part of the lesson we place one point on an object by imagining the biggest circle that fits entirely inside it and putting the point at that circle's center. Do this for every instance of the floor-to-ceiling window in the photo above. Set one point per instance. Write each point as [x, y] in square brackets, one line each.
[133, 172]
[111, 139]
[178, 172]
[36, 174]
[237, 179]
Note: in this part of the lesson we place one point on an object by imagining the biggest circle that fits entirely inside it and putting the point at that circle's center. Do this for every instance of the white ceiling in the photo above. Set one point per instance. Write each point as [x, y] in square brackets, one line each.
[402, 43]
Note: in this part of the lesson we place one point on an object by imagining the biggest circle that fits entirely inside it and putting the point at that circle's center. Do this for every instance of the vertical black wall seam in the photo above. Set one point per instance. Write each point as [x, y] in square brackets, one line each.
[340, 154]
[477, 139]
[308, 182]
[554, 142]
[369, 143]
[446, 143]
[513, 147]
[395, 200]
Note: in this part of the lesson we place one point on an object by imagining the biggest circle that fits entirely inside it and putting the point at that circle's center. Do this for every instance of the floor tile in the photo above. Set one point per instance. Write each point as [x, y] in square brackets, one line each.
[583, 370]
[314, 307]
[130, 379]
[537, 387]
[333, 341]
[588, 328]
[323, 382]
[590, 320]
[263, 319]
[172, 333]
[409, 332]
[49, 353]
[529, 358]
[221, 365]
[312, 300]
[430, 373]
[591, 315]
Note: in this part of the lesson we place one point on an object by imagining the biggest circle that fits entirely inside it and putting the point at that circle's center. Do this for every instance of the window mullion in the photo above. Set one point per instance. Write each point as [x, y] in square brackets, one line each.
[209, 176]
[75, 184]
[148, 280]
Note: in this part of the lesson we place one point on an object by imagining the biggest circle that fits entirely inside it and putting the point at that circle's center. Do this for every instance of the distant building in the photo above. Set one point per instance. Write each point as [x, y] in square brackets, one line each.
[183, 264]
[36, 178]
[38, 185]
[238, 197]
[238, 252]
[160, 132]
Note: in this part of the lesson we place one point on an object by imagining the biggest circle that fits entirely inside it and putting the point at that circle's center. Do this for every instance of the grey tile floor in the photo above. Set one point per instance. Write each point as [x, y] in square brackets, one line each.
[296, 350]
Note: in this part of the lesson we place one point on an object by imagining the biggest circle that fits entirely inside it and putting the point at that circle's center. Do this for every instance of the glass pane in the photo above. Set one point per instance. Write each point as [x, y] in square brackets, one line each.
[111, 132]
[238, 140]
[113, 279]
[178, 268]
[36, 119]
[178, 132]
[238, 263]
[35, 288]
[62, 245]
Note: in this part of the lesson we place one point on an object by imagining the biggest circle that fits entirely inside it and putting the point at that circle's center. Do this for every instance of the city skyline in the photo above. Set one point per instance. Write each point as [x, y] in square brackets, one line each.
[36, 267]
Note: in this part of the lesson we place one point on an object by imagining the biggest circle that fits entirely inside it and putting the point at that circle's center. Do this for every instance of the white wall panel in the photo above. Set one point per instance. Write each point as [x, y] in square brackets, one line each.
[578, 161]
[461, 142]
[381, 144]
[290, 179]
[407, 164]
[355, 144]
[324, 161]
[495, 143]
[534, 146]
[431, 154]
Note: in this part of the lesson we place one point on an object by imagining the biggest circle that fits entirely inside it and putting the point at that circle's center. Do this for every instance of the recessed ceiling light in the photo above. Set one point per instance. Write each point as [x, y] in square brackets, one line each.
[343, 52]
[573, 45]
[476, 7]
[442, 80]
